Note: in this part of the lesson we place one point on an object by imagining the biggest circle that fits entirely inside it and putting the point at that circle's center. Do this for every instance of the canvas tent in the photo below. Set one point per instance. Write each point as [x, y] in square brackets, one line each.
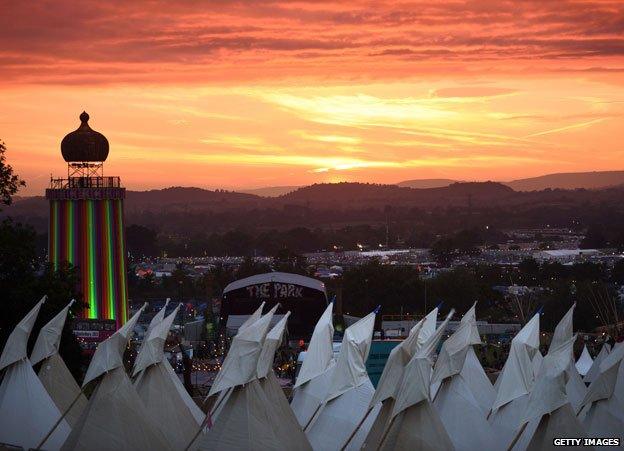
[165, 398]
[240, 364]
[584, 363]
[320, 350]
[115, 417]
[348, 393]
[602, 409]
[249, 418]
[549, 413]
[152, 348]
[288, 429]
[393, 372]
[472, 372]
[243, 424]
[515, 381]
[218, 398]
[413, 423]
[53, 373]
[313, 378]
[156, 319]
[27, 412]
[594, 370]
[575, 387]
[392, 375]
[459, 406]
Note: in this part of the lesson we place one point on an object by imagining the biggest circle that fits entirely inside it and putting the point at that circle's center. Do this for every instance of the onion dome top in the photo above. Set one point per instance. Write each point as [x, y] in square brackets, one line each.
[84, 143]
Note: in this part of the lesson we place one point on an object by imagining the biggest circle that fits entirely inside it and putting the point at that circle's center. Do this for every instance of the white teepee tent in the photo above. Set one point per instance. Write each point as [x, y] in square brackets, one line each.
[165, 398]
[53, 373]
[549, 413]
[152, 349]
[289, 432]
[320, 351]
[460, 406]
[156, 319]
[575, 388]
[240, 364]
[27, 412]
[536, 362]
[247, 419]
[219, 397]
[348, 394]
[602, 411]
[594, 370]
[313, 378]
[272, 341]
[515, 381]
[413, 423]
[255, 316]
[584, 363]
[115, 417]
[244, 423]
[401, 355]
[390, 381]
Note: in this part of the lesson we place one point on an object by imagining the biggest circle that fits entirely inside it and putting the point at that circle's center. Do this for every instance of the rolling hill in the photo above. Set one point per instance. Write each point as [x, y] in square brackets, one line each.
[563, 180]
[569, 180]
[426, 183]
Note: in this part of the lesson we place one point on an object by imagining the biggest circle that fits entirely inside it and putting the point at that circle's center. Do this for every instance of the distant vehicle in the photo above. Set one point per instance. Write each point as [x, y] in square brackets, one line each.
[303, 296]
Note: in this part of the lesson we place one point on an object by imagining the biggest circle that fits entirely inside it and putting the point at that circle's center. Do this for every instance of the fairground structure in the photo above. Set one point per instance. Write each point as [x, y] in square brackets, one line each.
[86, 224]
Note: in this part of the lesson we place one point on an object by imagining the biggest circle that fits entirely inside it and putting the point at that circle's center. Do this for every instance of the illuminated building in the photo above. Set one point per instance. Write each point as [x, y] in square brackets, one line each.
[86, 225]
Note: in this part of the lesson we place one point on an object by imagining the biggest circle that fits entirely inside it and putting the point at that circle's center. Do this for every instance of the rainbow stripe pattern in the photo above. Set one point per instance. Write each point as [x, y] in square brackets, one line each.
[89, 234]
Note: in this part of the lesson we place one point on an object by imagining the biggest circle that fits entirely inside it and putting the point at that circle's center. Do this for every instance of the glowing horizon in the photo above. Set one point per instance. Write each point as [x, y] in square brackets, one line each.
[244, 94]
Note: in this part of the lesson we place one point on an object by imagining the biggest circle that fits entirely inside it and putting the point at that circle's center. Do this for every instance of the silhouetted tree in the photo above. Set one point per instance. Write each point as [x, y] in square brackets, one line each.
[10, 182]
[24, 280]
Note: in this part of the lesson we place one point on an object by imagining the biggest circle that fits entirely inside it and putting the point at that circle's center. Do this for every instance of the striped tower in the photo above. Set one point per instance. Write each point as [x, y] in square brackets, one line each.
[86, 226]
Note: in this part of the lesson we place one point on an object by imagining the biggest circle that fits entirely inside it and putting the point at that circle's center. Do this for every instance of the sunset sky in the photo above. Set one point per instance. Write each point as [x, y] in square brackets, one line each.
[242, 94]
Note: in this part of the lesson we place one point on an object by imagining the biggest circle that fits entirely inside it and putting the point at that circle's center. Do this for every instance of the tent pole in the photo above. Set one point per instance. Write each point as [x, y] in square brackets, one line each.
[80, 393]
[201, 428]
[436, 393]
[220, 401]
[517, 437]
[370, 409]
[312, 417]
[385, 434]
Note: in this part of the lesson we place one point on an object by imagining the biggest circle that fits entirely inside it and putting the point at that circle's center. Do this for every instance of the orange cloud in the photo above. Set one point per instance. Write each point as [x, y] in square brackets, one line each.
[243, 93]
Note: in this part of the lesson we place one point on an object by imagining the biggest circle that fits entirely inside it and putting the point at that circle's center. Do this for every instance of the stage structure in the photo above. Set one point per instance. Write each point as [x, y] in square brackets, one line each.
[86, 224]
[304, 297]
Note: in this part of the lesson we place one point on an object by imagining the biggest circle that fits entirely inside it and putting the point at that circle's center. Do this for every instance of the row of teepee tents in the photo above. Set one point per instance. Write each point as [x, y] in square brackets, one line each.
[421, 402]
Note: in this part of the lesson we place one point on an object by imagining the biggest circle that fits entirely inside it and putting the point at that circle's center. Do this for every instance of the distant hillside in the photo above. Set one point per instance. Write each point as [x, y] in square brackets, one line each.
[270, 191]
[426, 183]
[190, 211]
[356, 195]
[569, 180]
[183, 196]
[157, 200]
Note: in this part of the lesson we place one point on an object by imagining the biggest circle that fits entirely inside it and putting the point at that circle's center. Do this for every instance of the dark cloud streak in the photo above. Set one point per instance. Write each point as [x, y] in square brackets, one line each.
[51, 39]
